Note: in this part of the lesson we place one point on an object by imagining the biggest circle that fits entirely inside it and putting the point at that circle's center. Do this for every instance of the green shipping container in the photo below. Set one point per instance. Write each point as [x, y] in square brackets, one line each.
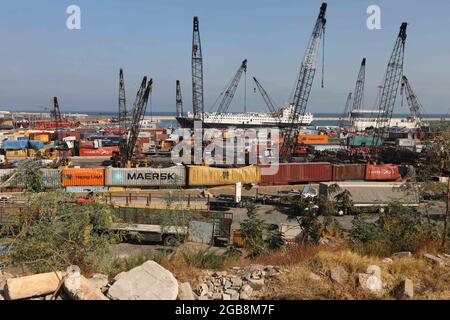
[361, 141]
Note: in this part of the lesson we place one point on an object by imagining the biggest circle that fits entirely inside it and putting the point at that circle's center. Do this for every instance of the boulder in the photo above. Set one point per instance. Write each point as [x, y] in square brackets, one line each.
[32, 286]
[149, 281]
[99, 281]
[402, 254]
[374, 270]
[185, 291]
[338, 275]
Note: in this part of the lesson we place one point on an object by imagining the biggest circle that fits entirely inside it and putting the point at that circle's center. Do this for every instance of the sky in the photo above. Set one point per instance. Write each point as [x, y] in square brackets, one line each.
[41, 58]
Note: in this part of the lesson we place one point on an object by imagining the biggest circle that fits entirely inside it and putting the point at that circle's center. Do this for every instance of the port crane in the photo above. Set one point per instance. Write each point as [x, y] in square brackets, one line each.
[415, 106]
[359, 90]
[179, 100]
[197, 73]
[123, 115]
[267, 99]
[55, 113]
[303, 85]
[128, 145]
[346, 110]
[389, 90]
[230, 90]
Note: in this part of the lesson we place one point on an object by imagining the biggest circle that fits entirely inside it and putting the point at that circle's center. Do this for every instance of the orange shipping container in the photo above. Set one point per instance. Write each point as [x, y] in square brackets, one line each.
[84, 177]
[312, 139]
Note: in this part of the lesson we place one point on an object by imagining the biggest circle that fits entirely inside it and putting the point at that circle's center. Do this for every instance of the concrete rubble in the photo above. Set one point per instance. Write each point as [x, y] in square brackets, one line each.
[371, 280]
[235, 284]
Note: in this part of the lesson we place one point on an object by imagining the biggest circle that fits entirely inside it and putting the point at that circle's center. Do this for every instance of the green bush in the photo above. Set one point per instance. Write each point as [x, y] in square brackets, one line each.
[204, 259]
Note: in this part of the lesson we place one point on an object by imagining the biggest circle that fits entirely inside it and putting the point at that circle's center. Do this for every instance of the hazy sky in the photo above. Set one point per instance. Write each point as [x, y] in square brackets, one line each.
[41, 58]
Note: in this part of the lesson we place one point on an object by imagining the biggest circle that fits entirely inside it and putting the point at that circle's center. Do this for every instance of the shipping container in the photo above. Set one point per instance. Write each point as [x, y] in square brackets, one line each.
[299, 172]
[362, 141]
[85, 144]
[51, 178]
[355, 171]
[83, 177]
[107, 141]
[202, 176]
[16, 153]
[386, 172]
[86, 189]
[99, 152]
[41, 136]
[15, 145]
[172, 176]
[11, 189]
[313, 139]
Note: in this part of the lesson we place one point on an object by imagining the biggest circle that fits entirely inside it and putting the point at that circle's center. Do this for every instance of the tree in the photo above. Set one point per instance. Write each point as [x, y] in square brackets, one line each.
[54, 230]
[29, 176]
[252, 229]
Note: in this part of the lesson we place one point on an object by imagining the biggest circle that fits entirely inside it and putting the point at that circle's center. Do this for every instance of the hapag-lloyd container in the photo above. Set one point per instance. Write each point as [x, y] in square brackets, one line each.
[385, 172]
[83, 177]
[172, 176]
[299, 172]
[353, 171]
[99, 152]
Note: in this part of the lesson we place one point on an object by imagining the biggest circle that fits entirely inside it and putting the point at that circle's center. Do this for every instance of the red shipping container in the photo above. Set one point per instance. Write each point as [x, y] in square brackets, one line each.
[299, 172]
[354, 171]
[99, 152]
[84, 144]
[144, 139]
[386, 172]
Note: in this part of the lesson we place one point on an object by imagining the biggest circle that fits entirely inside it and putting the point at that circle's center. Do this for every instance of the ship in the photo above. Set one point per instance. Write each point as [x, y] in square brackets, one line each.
[362, 119]
[280, 119]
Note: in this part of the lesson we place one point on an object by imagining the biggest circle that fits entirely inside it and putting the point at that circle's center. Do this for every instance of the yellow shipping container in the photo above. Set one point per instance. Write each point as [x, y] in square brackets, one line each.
[16, 153]
[32, 152]
[207, 176]
[42, 137]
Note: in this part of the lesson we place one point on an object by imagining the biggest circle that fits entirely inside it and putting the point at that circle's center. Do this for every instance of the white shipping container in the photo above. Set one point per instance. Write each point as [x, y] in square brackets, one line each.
[172, 176]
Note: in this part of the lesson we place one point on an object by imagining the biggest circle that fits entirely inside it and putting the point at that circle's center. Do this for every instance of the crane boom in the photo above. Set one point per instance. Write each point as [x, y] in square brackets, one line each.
[390, 86]
[231, 89]
[179, 100]
[304, 83]
[346, 110]
[359, 87]
[123, 116]
[269, 102]
[56, 113]
[197, 73]
[414, 104]
[139, 109]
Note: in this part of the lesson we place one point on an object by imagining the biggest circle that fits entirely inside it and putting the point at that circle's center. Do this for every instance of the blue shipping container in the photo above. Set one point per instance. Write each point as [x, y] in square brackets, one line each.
[86, 189]
[15, 145]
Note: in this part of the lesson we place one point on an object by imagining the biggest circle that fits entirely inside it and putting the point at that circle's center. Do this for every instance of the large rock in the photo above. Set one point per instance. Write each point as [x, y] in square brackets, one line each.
[80, 288]
[185, 292]
[256, 284]
[99, 281]
[149, 281]
[339, 275]
[32, 286]
[370, 282]
[246, 292]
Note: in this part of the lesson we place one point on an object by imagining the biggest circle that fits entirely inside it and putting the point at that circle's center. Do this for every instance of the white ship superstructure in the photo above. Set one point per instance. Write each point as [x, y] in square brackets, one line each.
[362, 119]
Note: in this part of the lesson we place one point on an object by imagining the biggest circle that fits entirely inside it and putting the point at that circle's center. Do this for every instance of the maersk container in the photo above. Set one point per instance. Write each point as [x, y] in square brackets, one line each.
[86, 189]
[51, 178]
[172, 176]
[208, 176]
[298, 173]
[345, 172]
